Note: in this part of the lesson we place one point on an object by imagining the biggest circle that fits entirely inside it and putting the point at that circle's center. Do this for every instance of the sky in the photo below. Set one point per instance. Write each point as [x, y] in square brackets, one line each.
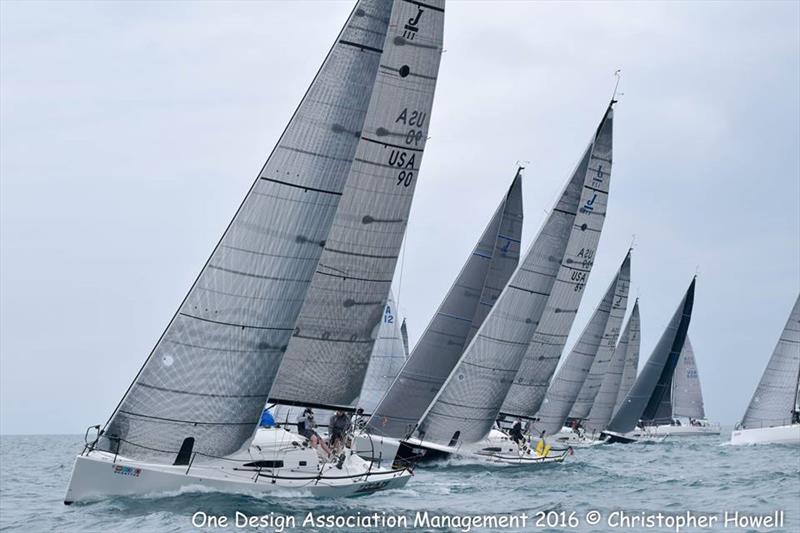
[130, 131]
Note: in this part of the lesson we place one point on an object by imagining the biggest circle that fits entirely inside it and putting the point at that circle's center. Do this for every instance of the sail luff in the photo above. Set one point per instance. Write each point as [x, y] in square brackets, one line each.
[656, 377]
[494, 257]
[209, 374]
[776, 394]
[465, 408]
[572, 376]
[328, 355]
[631, 357]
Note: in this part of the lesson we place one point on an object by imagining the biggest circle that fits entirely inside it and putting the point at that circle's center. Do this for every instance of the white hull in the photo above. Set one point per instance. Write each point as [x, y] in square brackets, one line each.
[497, 447]
[97, 474]
[679, 431]
[774, 435]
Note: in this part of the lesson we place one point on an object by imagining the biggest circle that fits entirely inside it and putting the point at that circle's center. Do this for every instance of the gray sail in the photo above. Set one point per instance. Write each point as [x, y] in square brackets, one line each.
[466, 407]
[388, 356]
[327, 357]
[606, 399]
[647, 396]
[687, 396]
[485, 272]
[209, 375]
[776, 394]
[404, 334]
[631, 357]
[572, 376]
[604, 350]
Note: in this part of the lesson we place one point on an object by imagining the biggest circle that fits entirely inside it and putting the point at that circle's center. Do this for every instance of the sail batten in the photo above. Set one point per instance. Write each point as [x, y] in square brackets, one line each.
[480, 280]
[466, 407]
[775, 399]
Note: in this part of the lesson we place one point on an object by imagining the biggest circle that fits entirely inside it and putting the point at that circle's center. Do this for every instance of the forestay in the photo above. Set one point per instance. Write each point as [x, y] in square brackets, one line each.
[606, 399]
[631, 357]
[467, 405]
[541, 357]
[776, 394]
[687, 396]
[652, 386]
[476, 288]
[329, 351]
[388, 356]
[603, 348]
[209, 375]
[572, 375]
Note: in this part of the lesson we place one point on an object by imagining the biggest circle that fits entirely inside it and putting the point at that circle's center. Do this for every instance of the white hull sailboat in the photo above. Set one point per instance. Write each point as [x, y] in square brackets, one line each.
[276, 460]
[338, 185]
[684, 429]
[773, 416]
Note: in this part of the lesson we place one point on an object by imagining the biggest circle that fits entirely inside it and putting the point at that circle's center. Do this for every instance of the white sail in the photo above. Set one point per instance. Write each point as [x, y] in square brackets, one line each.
[210, 373]
[606, 399]
[631, 357]
[573, 374]
[687, 396]
[775, 398]
[327, 358]
[484, 274]
[388, 356]
[466, 407]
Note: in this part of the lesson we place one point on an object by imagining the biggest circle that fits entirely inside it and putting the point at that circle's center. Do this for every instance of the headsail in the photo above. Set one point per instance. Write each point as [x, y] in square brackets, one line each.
[467, 405]
[687, 396]
[477, 286]
[776, 394]
[631, 357]
[327, 357]
[210, 373]
[388, 356]
[606, 399]
[573, 374]
[655, 381]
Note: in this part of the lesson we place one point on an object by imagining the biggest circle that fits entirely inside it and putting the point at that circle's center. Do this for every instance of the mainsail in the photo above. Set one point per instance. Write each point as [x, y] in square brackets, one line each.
[651, 390]
[388, 356]
[775, 397]
[476, 288]
[572, 375]
[327, 357]
[466, 407]
[210, 373]
[606, 399]
[604, 350]
[687, 396]
[541, 357]
[631, 357]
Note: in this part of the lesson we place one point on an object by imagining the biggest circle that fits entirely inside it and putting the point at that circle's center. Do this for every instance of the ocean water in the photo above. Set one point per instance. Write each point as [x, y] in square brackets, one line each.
[697, 475]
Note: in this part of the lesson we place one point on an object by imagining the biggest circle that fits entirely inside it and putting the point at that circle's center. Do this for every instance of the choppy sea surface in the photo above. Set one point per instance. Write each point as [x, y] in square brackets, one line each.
[696, 475]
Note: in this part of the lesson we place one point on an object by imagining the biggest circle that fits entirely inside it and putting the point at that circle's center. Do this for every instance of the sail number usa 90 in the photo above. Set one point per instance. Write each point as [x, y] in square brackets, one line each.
[404, 160]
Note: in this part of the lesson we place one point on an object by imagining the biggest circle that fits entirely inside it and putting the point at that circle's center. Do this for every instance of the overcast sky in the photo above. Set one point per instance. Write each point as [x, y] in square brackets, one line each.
[131, 130]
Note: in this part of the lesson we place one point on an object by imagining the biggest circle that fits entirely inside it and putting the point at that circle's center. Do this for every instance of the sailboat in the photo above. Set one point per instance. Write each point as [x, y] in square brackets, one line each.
[462, 415]
[688, 412]
[340, 179]
[650, 397]
[594, 349]
[773, 415]
[462, 311]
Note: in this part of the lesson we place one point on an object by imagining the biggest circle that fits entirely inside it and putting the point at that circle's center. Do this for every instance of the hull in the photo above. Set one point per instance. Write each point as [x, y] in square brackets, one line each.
[268, 466]
[679, 431]
[497, 447]
[774, 435]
